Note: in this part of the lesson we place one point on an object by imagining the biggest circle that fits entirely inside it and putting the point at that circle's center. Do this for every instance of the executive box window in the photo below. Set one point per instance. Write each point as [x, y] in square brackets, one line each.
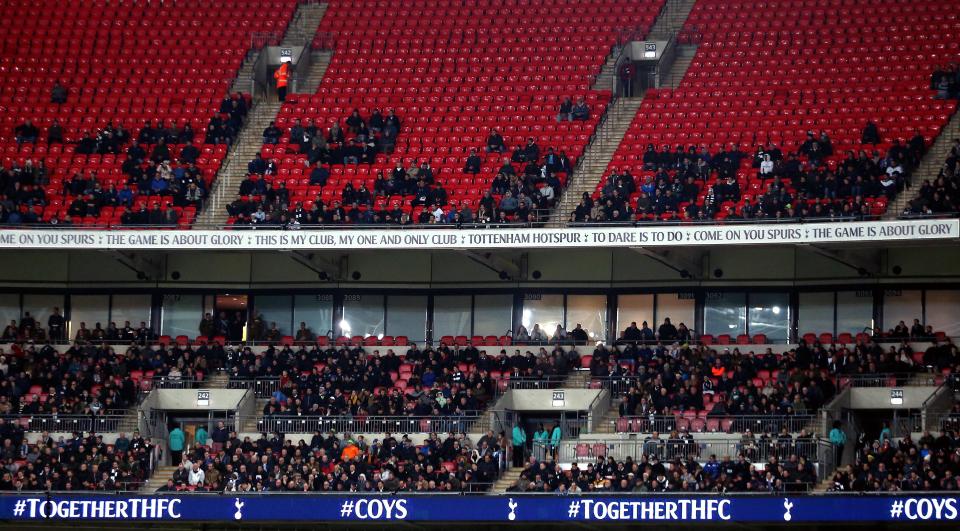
[816, 313]
[769, 314]
[407, 316]
[543, 309]
[316, 311]
[133, 308]
[181, 315]
[590, 311]
[679, 307]
[362, 315]
[275, 309]
[854, 311]
[635, 308]
[724, 314]
[943, 311]
[492, 314]
[87, 309]
[901, 305]
[451, 316]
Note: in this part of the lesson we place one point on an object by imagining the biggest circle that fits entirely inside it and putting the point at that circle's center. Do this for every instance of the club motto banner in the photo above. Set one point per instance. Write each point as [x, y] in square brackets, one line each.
[491, 238]
[434, 508]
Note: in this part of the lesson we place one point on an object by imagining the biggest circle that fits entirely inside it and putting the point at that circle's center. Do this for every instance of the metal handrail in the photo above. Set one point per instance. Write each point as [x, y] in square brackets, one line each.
[725, 423]
[513, 225]
[106, 423]
[361, 424]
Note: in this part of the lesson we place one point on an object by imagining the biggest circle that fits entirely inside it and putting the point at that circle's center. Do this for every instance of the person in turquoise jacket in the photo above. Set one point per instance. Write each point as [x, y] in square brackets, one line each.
[541, 439]
[555, 440]
[175, 442]
[838, 439]
[519, 445]
[200, 436]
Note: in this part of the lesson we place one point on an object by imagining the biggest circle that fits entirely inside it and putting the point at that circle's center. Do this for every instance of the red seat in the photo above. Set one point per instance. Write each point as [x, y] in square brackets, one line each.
[760, 339]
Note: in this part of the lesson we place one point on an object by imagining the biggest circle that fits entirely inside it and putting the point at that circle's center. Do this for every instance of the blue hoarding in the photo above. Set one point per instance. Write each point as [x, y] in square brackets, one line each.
[505, 508]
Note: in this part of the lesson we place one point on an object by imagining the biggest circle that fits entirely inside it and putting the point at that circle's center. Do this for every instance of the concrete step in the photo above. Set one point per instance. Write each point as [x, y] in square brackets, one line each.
[509, 477]
[596, 158]
[928, 169]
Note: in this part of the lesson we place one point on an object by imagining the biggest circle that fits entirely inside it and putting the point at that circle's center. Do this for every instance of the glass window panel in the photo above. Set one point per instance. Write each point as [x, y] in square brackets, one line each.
[770, 315]
[943, 312]
[451, 316]
[407, 316]
[854, 311]
[678, 307]
[905, 305]
[362, 315]
[133, 308]
[543, 310]
[9, 309]
[590, 311]
[492, 315]
[816, 313]
[634, 308]
[275, 309]
[89, 309]
[724, 313]
[181, 315]
[316, 311]
[40, 307]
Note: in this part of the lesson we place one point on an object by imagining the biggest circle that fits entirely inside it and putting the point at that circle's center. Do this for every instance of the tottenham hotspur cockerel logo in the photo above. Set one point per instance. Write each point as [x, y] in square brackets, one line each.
[239, 505]
[513, 509]
[787, 506]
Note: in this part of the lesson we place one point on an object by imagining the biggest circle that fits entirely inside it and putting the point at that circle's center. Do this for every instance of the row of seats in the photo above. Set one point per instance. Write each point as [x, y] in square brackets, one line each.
[125, 62]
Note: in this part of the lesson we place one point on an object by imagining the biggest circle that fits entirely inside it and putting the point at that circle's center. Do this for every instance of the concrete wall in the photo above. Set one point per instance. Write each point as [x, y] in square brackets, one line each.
[186, 399]
[541, 400]
[597, 268]
[879, 397]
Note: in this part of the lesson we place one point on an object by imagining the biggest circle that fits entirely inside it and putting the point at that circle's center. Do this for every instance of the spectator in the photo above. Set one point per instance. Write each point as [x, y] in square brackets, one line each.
[871, 135]
[581, 111]
[55, 133]
[58, 94]
[566, 110]
[175, 442]
[272, 134]
[473, 163]
[26, 132]
[495, 142]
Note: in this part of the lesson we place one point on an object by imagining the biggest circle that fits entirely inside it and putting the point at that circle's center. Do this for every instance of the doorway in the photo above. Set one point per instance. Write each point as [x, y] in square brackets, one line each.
[231, 315]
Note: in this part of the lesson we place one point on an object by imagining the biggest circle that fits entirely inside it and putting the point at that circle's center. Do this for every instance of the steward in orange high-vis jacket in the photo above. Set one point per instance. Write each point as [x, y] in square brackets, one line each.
[282, 75]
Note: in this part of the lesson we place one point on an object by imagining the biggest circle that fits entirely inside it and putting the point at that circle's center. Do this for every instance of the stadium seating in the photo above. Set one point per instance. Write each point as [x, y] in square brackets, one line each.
[475, 68]
[123, 63]
[772, 71]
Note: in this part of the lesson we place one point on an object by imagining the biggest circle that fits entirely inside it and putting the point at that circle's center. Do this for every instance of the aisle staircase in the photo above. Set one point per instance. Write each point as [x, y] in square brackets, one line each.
[249, 141]
[671, 19]
[509, 477]
[596, 157]
[929, 167]
[158, 479]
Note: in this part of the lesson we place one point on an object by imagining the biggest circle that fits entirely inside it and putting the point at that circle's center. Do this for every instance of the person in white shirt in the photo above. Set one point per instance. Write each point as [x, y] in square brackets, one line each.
[766, 167]
[438, 214]
[547, 193]
[197, 476]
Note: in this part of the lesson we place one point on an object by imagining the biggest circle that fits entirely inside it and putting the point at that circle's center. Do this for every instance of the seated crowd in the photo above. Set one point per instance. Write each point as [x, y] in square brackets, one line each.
[694, 184]
[160, 172]
[339, 463]
[885, 465]
[668, 379]
[652, 473]
[74, 463]
[942, 196]
[348, 380]
[526, 185]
